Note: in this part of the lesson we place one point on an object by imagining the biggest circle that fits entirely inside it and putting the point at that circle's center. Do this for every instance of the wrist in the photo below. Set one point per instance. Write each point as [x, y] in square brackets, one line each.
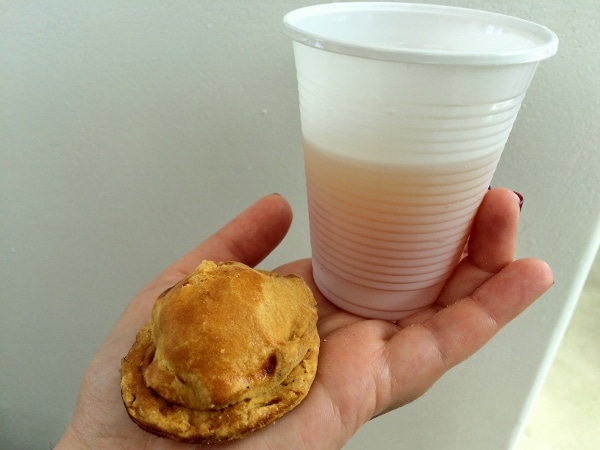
[70, 440]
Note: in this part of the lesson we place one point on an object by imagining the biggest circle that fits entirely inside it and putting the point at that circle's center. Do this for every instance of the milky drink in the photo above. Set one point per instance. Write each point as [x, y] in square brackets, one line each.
[389, 233]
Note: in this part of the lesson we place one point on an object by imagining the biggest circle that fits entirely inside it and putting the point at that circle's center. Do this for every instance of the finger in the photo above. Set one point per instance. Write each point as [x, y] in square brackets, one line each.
[461, 329]
[458, 331]
[491, 245]
[248, 238]
[494, 233]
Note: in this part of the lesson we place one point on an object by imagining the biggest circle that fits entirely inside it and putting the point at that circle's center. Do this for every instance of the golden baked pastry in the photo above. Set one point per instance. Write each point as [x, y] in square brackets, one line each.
[228, 350]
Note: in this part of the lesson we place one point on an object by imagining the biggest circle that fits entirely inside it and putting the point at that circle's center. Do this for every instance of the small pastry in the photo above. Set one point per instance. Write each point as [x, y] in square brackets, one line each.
[228, 350]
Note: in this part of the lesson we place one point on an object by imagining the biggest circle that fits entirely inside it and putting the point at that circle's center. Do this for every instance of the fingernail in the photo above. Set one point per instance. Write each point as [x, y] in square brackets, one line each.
[521, 199]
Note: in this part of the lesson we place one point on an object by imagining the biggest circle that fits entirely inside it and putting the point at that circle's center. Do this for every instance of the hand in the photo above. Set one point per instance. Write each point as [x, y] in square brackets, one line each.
[366, 367]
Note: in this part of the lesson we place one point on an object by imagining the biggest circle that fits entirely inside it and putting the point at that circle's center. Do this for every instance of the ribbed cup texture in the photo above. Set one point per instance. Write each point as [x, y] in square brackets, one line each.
[372, 127]
[398, 158]
[391, 227]
[391, 206]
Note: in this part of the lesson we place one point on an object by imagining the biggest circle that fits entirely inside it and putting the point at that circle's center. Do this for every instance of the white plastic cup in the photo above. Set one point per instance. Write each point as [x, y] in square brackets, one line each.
[405, 111]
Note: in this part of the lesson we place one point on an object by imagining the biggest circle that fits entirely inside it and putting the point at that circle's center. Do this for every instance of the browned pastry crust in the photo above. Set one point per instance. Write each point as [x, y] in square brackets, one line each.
[228, 350]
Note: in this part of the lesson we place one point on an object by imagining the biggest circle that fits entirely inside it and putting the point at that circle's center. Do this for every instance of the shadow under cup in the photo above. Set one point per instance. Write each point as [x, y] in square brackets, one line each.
[405, 111]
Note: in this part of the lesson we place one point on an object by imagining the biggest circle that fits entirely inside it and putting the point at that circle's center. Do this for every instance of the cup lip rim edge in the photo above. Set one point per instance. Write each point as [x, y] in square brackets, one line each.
[546, 49]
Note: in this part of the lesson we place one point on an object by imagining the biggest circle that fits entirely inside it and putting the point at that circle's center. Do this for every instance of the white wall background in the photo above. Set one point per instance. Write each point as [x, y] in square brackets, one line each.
[130, 131]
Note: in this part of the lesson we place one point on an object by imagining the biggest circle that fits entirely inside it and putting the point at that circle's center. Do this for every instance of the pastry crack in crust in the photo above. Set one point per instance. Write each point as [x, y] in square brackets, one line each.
[228, 350]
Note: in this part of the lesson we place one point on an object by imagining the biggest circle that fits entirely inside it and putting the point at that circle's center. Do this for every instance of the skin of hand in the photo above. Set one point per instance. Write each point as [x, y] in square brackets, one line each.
[366, 367]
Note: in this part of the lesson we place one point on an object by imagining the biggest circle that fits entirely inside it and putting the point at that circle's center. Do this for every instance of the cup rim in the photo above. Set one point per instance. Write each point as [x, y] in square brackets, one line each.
[547, 47]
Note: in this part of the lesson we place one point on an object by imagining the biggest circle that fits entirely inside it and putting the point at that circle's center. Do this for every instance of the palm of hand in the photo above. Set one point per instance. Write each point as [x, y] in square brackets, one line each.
[366, 367]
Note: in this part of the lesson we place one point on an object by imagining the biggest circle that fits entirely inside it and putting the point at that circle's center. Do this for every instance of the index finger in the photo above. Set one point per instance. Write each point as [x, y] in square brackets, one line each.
[248, 238]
